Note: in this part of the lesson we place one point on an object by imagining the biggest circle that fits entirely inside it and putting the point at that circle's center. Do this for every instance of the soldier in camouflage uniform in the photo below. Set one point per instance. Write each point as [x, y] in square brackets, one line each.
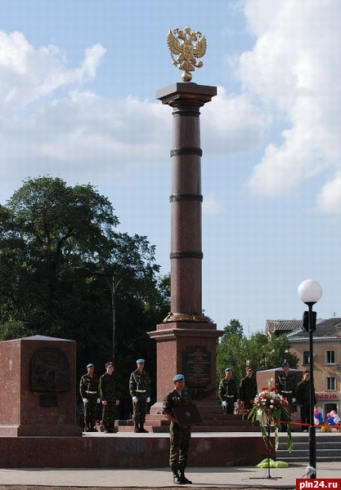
[88, 389]
[109, 396]
[247, 390]
[228, 392]
[139, 389]
[179, 436]
[286, 385]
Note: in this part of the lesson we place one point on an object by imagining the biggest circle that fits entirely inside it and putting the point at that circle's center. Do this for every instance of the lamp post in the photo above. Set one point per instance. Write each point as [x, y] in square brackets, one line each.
[310, 292]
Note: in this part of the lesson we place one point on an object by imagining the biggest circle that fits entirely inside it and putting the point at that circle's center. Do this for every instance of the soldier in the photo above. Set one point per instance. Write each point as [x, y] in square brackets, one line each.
[286, 385]
[248, 390]
[109, 396]
[139, 389]
[88, 389]
[179, 436]
[228, 392]
[303, 400]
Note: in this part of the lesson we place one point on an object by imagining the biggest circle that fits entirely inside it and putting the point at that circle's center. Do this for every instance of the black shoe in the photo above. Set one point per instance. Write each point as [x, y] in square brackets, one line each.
[142, 429]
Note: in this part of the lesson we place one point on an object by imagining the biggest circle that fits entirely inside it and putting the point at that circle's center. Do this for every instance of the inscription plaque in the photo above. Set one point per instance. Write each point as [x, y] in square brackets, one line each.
[197, 363]
[50, 370]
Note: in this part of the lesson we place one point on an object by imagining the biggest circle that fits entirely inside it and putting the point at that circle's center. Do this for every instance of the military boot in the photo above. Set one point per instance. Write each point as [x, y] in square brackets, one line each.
[176, 476]
[136, 427]
[142, 429]
[183, 478]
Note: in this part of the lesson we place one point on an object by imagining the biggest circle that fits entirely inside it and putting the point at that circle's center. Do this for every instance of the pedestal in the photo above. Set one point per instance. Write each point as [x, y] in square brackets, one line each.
[39, 396]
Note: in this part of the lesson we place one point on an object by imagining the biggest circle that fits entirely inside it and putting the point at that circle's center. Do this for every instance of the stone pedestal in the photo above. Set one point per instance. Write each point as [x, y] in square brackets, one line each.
[38, 379]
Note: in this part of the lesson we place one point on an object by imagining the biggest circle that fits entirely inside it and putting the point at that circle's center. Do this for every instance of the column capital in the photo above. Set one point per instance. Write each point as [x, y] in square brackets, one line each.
[186, 92]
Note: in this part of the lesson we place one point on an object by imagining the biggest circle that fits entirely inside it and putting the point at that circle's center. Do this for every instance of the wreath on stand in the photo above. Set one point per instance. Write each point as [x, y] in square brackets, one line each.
[271, 408]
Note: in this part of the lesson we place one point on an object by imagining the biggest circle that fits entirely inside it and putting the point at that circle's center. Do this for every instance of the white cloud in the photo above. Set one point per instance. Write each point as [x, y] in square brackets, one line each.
[211, 205]
[294, 70]
[231, 124]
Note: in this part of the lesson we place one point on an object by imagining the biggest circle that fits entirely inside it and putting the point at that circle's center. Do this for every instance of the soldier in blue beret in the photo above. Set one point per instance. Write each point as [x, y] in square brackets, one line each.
[88, 389]
[228, 392]
[139, 389]
[179, 436]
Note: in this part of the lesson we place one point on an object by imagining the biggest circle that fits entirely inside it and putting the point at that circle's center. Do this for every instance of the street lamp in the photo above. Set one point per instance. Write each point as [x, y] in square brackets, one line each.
[310, 292]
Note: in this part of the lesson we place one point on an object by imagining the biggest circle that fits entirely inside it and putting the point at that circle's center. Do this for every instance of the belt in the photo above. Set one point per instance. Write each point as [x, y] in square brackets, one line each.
[286, 391]
[91, 392]
[229, 396]
[141, 391]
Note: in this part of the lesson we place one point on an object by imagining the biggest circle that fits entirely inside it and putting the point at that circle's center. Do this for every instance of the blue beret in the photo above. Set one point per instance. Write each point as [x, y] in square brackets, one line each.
[285, 363]
[140, 361]
[178, 377]
[228, 369]
[90, 365]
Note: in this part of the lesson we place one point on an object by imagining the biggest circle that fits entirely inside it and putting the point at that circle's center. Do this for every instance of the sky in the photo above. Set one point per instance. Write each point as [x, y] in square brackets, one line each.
[78, 83]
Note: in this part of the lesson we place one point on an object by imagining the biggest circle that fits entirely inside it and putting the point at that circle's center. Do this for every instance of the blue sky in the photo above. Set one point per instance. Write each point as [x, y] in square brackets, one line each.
[78, 82]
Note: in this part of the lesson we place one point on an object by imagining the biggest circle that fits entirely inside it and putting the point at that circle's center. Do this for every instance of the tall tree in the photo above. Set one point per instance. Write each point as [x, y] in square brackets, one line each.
[66, 272]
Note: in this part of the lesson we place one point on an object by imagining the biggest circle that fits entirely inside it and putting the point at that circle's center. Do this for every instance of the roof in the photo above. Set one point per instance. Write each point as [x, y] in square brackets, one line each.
[281, 326]
[324, 328]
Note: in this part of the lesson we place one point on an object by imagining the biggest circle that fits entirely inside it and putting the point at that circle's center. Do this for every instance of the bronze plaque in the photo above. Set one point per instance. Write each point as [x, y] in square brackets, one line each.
[50, 370]
[197, 363]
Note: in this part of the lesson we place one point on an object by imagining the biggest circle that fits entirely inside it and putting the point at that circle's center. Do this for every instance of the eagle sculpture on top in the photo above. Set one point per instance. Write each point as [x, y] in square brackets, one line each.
[187, 46]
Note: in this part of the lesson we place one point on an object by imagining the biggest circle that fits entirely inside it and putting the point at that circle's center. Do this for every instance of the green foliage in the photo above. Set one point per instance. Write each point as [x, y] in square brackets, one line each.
[66, 272]
[260, 352]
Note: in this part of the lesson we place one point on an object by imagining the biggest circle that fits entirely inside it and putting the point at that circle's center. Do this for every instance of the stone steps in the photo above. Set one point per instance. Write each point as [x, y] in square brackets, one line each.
[328, 448]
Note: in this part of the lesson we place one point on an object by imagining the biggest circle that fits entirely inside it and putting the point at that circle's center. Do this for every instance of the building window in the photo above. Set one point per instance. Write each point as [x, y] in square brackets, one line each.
[330, 356]
[330, 383]
[305, 357]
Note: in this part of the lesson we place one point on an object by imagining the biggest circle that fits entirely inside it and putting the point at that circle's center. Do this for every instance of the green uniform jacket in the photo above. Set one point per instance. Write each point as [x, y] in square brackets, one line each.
[139, 380]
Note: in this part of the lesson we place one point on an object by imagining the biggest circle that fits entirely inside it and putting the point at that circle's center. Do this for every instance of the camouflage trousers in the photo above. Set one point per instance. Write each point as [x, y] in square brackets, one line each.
[140, 408]
[179, 446]
[109, 412]
[90, 412]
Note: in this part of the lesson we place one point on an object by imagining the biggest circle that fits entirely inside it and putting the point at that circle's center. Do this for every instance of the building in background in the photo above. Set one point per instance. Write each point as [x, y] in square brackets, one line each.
[327, 356]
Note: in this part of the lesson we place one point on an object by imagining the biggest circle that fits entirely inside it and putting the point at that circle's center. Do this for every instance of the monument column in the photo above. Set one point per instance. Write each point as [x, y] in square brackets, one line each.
[186, 340]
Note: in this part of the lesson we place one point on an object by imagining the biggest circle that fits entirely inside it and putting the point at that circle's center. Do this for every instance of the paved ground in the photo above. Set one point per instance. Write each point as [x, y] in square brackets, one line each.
[203, 478]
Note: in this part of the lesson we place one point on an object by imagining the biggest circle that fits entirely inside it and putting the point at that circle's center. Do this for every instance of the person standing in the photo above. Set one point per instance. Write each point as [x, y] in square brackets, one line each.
[88, 389]
[179, 436]
[228, 392]
[110, 397]
[286, 386]
[303, 400]
[139, 389]
[248, 390]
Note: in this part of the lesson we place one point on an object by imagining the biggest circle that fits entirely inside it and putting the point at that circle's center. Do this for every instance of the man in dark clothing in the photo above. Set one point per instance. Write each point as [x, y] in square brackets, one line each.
[110, 397]
[179, 436]
[303, 400]
[228, 392]
[139, 389]
[88, 389]
[248, 390]
[286, 386]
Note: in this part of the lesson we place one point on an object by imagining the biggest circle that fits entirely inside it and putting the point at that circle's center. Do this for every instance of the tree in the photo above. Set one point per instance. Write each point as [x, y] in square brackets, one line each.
[234, 328]
[260, 352]
[66, 272]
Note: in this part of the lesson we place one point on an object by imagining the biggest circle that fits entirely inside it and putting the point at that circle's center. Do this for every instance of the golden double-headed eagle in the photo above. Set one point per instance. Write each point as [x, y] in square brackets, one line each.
[187, 46]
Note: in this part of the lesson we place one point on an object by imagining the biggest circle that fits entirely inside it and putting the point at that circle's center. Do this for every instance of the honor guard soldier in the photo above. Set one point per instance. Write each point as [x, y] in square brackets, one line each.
[228, 392]
[286, 386]
[109, 396]
[179, 436]
[247, 390]
[139, 389]
[88, 389]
